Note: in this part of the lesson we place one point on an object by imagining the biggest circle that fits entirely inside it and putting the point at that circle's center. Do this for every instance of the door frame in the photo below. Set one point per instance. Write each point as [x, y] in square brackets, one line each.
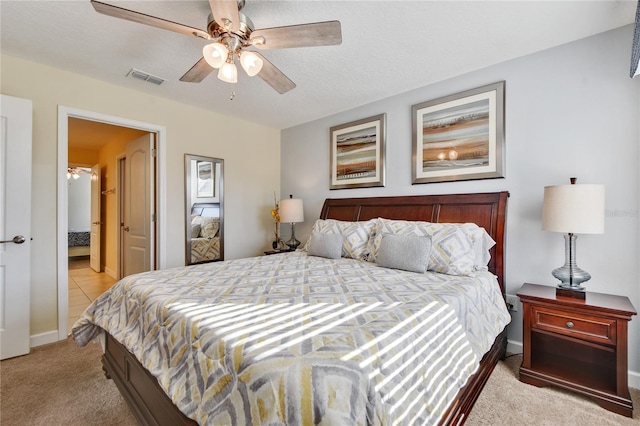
[120, 158]
[64, 113]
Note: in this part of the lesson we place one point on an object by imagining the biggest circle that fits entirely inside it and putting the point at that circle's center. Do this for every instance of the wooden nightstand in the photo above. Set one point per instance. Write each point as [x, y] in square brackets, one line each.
[577, 344]
[270, 252]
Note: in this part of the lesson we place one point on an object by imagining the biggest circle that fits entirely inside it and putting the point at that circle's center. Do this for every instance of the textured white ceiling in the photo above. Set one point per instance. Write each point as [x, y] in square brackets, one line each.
[389, 47]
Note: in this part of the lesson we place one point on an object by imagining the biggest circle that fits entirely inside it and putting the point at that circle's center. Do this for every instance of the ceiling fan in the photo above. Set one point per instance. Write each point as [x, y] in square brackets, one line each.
[231, 34]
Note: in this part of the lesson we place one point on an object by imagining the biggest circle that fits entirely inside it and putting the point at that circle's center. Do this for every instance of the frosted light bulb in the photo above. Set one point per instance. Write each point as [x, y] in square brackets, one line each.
[215, 54]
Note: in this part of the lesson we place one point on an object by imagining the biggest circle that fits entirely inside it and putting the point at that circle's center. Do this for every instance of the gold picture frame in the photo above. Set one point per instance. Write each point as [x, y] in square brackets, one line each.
[459, 137]
[358, 153]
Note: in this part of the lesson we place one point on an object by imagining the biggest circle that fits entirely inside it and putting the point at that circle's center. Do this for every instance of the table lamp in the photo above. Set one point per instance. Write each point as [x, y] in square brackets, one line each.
[291, 211]
[573, 209]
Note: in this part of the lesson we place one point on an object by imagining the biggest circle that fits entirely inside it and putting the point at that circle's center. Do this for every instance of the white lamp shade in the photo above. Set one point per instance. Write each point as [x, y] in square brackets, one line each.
[215, 54]
[576, 209]
[291, 210]
[228, 73]
[251, 62]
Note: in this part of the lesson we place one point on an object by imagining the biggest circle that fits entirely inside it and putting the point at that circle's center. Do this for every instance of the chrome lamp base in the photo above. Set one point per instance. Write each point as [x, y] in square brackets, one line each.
[570, 275]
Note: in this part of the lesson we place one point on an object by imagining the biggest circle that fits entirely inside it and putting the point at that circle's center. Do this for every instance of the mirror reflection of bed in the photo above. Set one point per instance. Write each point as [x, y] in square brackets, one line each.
[205, 233]
[204, 200]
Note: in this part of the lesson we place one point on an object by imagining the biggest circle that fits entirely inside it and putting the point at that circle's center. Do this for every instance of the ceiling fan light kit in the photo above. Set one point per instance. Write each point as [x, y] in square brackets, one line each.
[215, 54]
[229, 33]
[228, 73]
[251, 63]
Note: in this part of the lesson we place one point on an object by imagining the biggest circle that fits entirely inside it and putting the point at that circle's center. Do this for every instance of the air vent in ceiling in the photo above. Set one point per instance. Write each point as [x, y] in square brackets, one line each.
[141, 75]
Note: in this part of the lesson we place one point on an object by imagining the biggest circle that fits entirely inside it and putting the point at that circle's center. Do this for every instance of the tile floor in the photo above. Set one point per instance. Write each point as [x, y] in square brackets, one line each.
[85, 285]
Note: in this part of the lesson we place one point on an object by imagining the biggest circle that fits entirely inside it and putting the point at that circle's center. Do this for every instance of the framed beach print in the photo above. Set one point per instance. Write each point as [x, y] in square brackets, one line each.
[206, 179]
[358, 153]
[459, 137]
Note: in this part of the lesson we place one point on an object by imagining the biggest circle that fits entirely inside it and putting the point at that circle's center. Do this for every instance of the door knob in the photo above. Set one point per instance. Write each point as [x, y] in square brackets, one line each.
[126, 229]
[18, 239]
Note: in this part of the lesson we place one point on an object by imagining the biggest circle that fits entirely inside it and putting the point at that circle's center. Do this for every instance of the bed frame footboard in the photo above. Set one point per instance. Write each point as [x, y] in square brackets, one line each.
[148, 402]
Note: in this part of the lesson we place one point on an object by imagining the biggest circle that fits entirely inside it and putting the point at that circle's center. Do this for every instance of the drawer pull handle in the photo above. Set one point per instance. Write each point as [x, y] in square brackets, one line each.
[569, 324]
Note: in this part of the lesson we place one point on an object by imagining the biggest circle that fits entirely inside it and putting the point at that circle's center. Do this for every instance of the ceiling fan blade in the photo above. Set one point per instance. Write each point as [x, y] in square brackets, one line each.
[141, 18]
[317, 34]
[274, 77]
[198, 72]
[226, 10]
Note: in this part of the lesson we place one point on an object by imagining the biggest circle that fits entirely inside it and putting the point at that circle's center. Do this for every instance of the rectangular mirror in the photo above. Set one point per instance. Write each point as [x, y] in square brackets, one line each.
[204, 201]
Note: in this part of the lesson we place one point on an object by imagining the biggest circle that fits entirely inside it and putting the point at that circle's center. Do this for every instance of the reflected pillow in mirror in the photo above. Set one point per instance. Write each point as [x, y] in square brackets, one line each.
[195, 230]
[210, 226]
[406, 252]
[325, 245]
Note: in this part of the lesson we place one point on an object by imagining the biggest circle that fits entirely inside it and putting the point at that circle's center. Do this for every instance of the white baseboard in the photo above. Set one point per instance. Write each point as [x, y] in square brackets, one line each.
[634, 379]
[43, 338]
[515, 347]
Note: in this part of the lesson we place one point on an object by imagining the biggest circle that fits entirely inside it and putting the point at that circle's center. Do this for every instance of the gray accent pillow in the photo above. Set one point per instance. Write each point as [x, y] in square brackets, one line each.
[406, 252]
[325, 245]
[195, 230]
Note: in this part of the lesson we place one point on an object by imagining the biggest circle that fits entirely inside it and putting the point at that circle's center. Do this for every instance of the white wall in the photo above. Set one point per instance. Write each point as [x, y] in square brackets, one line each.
[251, 154]
[80, 203]
[570, 111]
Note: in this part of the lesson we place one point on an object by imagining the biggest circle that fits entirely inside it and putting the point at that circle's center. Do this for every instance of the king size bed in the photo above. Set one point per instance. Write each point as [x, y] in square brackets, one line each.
[403, 324]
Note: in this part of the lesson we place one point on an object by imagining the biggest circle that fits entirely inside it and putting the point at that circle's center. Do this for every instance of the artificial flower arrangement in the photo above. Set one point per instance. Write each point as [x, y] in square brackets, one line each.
[278, 243]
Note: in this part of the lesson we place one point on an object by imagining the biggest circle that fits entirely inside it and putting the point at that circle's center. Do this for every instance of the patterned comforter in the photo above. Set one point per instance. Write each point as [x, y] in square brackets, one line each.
[205, 249]
[79, 238]
[297, 339]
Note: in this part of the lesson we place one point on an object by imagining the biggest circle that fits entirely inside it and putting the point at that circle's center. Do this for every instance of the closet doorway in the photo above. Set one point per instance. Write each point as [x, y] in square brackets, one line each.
[87, 139]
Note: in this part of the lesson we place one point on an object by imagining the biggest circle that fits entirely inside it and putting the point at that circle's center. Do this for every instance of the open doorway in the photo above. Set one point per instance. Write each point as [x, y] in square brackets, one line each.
[94, 219]
[87, 138]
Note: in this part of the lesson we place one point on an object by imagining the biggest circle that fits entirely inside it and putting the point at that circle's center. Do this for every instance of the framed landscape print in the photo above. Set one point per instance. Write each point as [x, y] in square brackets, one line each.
[206, 178]
[459, 137]
[358, 153]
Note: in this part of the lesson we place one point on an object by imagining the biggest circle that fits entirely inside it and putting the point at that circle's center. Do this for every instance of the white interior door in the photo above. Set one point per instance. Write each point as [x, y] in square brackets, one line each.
[138, 206]
[15, 225]
[96, 224]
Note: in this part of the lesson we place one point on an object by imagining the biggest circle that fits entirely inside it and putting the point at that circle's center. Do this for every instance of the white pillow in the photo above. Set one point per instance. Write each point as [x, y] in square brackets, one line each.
[209, 227]
[355, 236]
[482, 243]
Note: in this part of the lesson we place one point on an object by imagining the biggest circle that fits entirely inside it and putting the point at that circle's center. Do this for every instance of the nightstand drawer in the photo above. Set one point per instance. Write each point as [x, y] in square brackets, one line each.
[586, 327]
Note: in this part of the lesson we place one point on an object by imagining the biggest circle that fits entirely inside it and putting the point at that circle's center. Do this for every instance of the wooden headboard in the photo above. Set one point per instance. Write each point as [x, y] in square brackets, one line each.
[488, 210]
[206, 209]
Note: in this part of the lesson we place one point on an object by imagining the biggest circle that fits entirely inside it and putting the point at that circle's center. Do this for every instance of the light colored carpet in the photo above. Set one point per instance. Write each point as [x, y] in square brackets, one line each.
[62, 384]
[505, 400]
